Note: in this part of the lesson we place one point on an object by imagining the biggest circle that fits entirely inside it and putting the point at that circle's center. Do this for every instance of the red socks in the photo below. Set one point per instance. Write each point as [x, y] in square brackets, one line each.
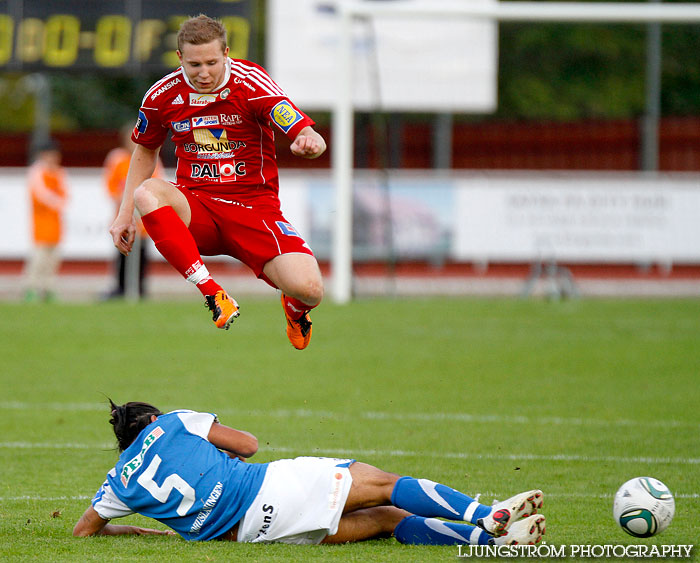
[175, 242]
[295, 308]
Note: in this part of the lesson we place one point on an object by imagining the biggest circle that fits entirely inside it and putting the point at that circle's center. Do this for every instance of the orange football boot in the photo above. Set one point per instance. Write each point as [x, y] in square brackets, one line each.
[298, 330]
[224, 309]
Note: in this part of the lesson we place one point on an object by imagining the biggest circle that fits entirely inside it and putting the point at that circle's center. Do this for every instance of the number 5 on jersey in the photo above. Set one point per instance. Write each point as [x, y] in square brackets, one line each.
[162, 492]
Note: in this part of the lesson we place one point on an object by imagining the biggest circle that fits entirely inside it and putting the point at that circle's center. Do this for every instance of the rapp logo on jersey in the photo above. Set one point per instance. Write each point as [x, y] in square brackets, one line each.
[202, 99]
[137, 461]
[181, 126]
[205, 121]
[285, 116]
[233, 119]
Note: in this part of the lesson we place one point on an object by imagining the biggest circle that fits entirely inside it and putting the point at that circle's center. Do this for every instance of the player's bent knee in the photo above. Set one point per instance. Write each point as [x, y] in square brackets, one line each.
[145, 197]
[152, 194]
[374, 485]
[313, 292]
[309, 291]
[367, 523]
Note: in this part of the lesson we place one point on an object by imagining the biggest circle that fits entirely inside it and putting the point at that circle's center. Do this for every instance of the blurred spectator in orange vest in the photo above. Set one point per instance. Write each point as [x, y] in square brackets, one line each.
[49, 195]
[116, 167]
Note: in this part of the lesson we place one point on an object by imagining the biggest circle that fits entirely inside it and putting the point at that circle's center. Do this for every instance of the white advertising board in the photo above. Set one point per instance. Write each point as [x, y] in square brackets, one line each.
[598, 217]
[87, 218]
[400, 64]
[464, 217]
[90, 212]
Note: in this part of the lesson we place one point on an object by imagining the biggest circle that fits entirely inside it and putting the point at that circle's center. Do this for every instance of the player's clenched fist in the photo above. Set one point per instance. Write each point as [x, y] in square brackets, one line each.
[308, 144]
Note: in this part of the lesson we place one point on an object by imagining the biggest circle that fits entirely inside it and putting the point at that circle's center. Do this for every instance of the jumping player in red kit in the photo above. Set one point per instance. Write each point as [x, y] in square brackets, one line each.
[225, 200]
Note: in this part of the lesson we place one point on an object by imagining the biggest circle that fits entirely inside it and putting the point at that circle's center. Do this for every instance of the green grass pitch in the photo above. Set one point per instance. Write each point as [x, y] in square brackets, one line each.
[490, 396]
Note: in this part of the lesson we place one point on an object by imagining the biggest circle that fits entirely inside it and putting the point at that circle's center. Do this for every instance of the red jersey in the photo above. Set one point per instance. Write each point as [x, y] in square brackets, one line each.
[224, 141]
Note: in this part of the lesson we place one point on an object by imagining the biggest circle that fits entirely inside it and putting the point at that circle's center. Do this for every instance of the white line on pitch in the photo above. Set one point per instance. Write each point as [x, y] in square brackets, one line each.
[489, 494]
[377, 415]
[391, 453]
[49, 499]
[489, 456]
[57, 446]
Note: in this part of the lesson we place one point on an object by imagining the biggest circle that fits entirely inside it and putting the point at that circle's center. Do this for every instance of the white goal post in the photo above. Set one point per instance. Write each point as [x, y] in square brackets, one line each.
[343, 110]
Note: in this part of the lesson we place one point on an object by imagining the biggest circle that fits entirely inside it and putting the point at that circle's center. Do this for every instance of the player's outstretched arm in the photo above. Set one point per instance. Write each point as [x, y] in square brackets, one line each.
[308, 144]
[91, 524]
[141, 167]
[238, 442]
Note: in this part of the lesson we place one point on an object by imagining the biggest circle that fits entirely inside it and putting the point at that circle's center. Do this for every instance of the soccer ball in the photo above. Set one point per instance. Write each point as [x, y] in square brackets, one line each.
[643, 507]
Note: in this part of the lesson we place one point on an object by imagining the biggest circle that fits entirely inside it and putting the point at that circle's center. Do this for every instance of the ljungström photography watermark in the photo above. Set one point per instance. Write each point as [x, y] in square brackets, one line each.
[545, 550]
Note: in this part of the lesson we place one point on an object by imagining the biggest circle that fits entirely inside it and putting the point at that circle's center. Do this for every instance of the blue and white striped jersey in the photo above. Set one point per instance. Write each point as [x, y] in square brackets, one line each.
[173, 474]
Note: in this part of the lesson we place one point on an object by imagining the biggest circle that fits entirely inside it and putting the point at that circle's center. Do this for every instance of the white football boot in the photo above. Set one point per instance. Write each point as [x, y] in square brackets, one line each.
[527, 531]
[507, 512]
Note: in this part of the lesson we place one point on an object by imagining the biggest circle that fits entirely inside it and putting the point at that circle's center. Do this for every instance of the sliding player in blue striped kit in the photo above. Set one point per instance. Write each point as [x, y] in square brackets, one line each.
[188, 471]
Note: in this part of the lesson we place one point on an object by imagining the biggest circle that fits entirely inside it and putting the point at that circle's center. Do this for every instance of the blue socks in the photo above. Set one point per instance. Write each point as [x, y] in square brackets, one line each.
[416, 530]
[433, 500]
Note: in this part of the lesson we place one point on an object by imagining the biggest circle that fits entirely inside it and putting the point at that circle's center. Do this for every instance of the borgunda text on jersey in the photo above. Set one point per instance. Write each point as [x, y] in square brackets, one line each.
[224, 139]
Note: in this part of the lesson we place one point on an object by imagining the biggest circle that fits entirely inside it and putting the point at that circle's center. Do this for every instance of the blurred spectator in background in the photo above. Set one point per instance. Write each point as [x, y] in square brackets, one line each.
[116, 167]
[49, 194]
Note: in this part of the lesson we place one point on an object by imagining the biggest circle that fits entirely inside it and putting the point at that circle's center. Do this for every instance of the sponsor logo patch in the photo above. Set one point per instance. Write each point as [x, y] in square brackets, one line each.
[234, 119]
[224, 93]
[266, 519]
[218, 172]
[207, 508]
[334, 496]
[286, 229]
[202, 99]
[178, 100]
[246, 84]
[132, 465]
[285, 116]
[205, 121]
[164, 88]
[212, 141]
[181, 126]
[141, 124]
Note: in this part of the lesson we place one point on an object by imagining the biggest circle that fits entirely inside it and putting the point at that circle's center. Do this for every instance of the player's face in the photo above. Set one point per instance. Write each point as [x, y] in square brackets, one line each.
[204, 64]
[51, 158]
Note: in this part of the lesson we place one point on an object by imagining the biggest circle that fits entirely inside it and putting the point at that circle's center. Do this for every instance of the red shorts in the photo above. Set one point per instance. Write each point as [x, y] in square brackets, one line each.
[251, 233]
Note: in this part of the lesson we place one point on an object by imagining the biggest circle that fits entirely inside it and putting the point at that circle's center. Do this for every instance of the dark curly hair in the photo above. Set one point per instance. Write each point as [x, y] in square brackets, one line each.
[129, 419]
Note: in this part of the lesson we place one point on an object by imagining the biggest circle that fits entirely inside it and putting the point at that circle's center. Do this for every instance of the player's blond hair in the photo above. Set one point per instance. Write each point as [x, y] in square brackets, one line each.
[200, 30]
